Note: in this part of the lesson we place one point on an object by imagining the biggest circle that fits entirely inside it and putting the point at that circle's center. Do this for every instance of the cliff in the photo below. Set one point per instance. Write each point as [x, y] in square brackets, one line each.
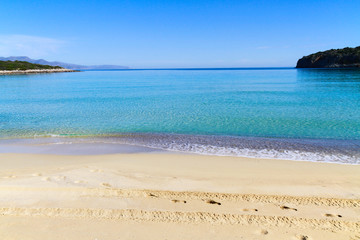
[334, 58]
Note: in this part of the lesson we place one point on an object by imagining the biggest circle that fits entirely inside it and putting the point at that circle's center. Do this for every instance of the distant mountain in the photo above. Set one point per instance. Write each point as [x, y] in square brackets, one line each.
[334, 58]
[61, 64]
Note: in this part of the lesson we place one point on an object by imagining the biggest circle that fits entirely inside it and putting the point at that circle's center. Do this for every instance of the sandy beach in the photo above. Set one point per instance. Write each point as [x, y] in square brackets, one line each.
[185, 120]
[169, 196]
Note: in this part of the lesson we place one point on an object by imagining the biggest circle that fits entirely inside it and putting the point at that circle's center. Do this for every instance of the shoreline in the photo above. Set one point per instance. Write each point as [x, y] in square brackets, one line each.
[33, 71]
[96, 149]
[171, 195]
[308, 150]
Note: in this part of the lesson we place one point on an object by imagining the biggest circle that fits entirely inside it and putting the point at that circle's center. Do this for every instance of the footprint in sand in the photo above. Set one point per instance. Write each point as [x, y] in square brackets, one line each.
[95, 170]
[46, 179]
[212, 202]
[248, 210]
[178, 201]
[262, 232]
[36, 174]
[332, 215]
[302, 237]
[105, 184]
[288, 208]
[152, 195]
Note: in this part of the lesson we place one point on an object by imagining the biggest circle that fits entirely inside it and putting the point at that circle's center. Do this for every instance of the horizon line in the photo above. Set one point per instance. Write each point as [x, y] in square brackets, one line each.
[190, 68]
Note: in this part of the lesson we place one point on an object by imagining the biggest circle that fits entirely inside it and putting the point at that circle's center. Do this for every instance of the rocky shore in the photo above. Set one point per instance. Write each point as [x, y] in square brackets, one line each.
[31, 71]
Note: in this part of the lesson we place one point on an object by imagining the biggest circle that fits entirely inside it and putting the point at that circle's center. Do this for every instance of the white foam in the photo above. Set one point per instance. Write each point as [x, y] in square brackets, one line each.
[332, 151]
[256, 153]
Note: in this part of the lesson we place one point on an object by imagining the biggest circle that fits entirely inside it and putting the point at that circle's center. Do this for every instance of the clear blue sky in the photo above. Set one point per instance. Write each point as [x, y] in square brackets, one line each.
[202, 33]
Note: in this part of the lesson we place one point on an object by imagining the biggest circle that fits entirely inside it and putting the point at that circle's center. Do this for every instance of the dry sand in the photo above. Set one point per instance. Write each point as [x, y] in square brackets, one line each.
[166, 196]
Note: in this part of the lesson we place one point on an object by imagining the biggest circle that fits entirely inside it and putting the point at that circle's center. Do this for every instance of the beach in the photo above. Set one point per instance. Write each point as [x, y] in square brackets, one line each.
[185, 120]
[175, 196]
[180, 154]
[33, 71]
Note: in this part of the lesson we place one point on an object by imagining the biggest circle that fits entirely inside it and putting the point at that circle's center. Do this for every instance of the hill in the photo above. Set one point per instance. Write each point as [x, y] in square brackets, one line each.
[61, 64]
[334, 58]
[22, 65]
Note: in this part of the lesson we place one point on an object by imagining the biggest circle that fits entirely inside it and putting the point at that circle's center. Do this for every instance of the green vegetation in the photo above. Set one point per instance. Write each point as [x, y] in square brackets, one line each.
[333, 58]
[340, 53]
[21, 65]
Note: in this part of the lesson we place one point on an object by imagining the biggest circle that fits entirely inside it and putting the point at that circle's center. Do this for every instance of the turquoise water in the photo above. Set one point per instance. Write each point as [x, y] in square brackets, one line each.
[317, 107]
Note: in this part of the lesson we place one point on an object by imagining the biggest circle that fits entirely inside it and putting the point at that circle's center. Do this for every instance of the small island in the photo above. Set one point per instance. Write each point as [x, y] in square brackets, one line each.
[22, 67]
[334, 58]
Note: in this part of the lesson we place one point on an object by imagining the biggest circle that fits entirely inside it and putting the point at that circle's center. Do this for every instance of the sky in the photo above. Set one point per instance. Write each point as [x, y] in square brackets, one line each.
[170, 34]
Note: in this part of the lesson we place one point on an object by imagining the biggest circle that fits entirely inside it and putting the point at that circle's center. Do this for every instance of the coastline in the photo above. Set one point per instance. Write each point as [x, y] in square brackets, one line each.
[314, 150]
[170, 195]
[31, 71]
[105, 154]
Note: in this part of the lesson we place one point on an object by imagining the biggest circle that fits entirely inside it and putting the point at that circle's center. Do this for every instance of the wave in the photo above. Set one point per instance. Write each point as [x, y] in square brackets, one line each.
[339, 151]
[317, 150]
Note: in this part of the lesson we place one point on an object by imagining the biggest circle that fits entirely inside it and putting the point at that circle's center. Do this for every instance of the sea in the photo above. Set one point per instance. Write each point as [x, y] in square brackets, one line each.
[282, 113]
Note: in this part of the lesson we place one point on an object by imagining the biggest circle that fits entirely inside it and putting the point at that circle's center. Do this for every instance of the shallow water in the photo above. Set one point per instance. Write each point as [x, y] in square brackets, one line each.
[303, 114]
